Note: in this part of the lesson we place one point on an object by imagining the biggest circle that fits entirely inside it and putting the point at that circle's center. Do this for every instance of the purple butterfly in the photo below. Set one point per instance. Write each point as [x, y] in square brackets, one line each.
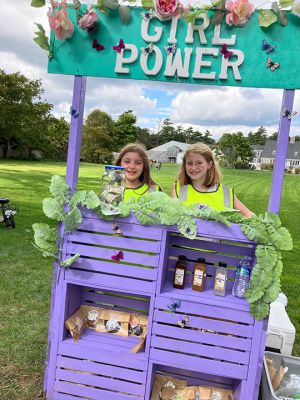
[97, 46]
[170, 49]
[118, 257]
[120, 46]
[267, 47]
[226, 53]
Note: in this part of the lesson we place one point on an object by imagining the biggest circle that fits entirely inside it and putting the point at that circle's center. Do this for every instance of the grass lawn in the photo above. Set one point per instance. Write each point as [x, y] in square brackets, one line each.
[26, 276]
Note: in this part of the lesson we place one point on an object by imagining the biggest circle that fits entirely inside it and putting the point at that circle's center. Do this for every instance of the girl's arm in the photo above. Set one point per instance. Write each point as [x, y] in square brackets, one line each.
[173, 192]
[238, 205]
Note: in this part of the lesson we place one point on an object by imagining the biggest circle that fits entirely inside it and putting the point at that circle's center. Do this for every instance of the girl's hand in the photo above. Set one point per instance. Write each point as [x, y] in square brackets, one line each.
[238, 205]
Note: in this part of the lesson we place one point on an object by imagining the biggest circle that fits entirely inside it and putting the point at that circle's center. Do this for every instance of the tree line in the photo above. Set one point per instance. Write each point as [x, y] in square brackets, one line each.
[28, 127]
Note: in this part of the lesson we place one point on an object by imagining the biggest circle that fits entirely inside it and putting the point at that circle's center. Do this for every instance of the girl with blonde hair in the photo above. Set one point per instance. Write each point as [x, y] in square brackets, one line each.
[199, 182]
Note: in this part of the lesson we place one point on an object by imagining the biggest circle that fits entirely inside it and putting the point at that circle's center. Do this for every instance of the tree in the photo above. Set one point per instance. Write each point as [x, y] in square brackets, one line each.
[235, 147]
[274, 136]
[98, 138]
[57, 139]
[125, 129]
[258, 137]
[23, 115]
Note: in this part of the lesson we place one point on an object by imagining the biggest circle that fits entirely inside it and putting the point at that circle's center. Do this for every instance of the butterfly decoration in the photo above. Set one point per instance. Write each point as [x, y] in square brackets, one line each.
[226, 53]
[184, 322]
[170, 49]
[268, 48]
[197, 396]
[116, 228]
[147, 15]
[118, 256]
[97, 46]
[286, 113]
[148, 49]
[120, 46]
[272, 65]
[187, 229]
[74, 113]
[175, 304]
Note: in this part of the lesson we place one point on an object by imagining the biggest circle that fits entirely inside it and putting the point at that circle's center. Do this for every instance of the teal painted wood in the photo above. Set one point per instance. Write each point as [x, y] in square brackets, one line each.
[76, 56]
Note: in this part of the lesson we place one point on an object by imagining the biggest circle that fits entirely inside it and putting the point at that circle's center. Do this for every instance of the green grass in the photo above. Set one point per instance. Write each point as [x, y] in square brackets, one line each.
[25, 281]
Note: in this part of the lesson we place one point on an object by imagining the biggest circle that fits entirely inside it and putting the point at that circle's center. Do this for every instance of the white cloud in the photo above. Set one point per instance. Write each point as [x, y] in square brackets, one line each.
[233, 106]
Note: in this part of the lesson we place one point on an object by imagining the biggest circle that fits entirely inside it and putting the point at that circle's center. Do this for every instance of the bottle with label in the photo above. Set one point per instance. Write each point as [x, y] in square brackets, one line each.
[180, 271]
[199, 275]
[220, 279]
[242, 277]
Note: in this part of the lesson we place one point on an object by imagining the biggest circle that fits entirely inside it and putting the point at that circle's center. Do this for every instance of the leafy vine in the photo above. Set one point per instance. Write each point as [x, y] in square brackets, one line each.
[158, 208]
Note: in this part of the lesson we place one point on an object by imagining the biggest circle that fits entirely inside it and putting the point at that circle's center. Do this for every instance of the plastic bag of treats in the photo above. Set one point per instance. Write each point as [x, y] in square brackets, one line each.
[114, 322]
[163, 381]
[201, 392]
[221, 394]
[77, 323]
[138, 327]
[168, 393]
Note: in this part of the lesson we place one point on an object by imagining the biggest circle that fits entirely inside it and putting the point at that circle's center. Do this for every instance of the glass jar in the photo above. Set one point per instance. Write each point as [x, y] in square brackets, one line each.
[112, 187]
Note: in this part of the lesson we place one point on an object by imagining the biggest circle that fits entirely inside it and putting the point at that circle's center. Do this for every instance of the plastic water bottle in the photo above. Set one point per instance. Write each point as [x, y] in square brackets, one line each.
[242, 277]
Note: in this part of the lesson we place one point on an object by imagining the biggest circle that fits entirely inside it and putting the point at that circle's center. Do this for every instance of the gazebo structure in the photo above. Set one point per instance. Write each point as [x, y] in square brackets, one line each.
[223, 345]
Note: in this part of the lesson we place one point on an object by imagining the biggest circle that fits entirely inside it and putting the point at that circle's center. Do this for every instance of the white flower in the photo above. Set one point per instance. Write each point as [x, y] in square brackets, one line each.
[296, 8]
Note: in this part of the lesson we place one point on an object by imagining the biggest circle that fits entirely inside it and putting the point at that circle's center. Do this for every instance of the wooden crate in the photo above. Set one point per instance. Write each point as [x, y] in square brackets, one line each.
[222, 343]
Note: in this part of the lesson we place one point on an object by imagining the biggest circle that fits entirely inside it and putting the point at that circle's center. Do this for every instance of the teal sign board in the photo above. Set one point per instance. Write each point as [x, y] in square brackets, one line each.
[175, 51]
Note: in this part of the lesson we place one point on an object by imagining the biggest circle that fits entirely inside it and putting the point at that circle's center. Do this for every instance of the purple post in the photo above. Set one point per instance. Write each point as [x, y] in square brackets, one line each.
[71, 179]
[75, 131]
[281, 151]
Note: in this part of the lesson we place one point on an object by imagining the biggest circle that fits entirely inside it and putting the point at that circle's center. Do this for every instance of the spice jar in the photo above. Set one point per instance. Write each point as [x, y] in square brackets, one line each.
[199, 275]
[220, 279]
[111, 184]
[180, 272]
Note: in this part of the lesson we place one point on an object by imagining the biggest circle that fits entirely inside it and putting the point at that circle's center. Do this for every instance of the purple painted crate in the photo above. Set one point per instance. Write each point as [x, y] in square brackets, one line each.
[96, 242]
[100, 365]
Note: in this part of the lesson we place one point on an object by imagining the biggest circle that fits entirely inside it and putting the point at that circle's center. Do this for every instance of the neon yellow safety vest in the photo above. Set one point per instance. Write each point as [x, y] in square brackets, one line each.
[219, 199]
[139, 191]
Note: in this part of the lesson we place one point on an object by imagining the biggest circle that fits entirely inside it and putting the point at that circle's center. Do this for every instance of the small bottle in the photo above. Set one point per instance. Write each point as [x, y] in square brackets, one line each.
[242, 277]
[220, 279]
[199, 275]
[180, 270]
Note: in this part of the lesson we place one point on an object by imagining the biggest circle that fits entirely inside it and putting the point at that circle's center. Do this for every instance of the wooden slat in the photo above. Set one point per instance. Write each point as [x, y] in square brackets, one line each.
[109, 281]
[104, 253]
[230, 342]
[91, 393]
[115, 268]
[213, 258]
[208, 311]
[198, 364]
[90, 352]
[202, 350]
[131, 230]
[115, 241]
[102, 369]
[235, 248]
[205, 323]
[117, 301]
[114, 385]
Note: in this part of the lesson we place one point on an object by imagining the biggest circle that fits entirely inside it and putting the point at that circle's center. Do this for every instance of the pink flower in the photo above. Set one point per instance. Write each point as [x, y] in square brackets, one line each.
[240, 12]
[166, 9]
[61, 24]
[89, 20]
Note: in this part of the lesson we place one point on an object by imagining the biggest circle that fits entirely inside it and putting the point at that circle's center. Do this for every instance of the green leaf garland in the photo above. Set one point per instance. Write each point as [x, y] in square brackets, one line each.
[158, 208]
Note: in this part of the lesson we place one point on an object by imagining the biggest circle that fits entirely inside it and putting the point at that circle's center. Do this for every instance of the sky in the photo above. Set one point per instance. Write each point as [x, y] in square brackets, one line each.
[217, 109]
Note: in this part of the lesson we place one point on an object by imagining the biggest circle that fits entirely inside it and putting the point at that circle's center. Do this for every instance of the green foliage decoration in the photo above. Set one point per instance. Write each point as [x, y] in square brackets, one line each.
[272, 238]
[42, 39]
[158, 208]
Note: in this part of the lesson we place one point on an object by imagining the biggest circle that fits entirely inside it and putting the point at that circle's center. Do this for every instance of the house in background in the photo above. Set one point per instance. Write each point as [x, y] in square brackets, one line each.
[265, 154]
[171, 152]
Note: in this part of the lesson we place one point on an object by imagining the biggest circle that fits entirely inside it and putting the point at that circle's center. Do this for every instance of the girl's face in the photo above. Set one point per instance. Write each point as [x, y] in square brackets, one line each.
[134, 165]
[196, 167]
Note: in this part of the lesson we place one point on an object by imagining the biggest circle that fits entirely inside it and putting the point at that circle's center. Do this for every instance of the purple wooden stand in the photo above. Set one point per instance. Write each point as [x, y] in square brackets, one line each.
[222, 345]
